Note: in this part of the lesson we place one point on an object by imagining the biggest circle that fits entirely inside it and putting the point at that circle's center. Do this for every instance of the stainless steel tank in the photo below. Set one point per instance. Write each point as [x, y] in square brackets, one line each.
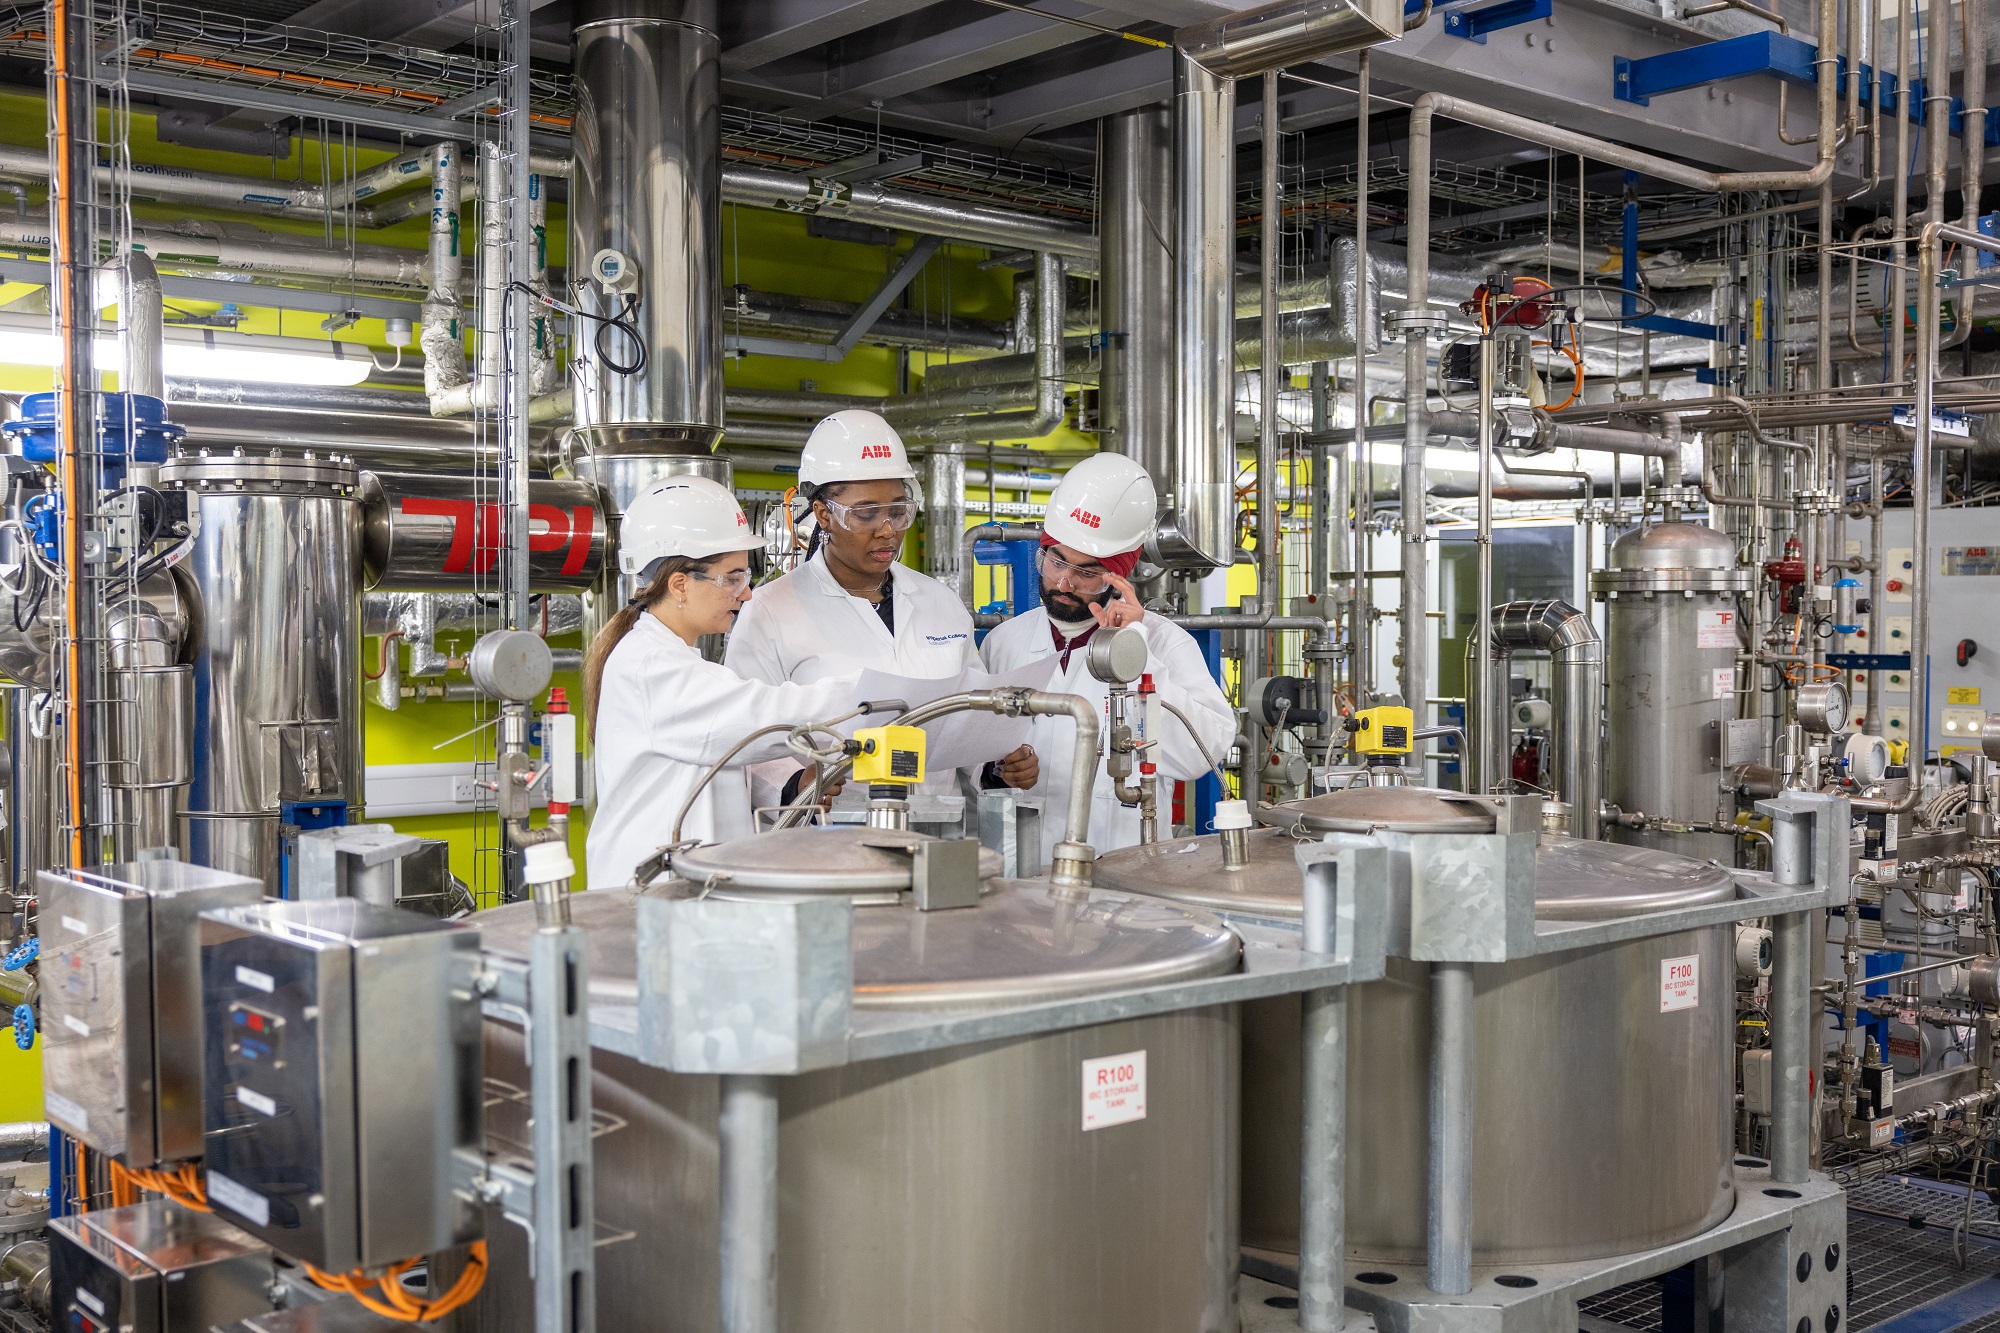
[942, 1189]
[1602, 1123]
[1670, 653]
[277, 670]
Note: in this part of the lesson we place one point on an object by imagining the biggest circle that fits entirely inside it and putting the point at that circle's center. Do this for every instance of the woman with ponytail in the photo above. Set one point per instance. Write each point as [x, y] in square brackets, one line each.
[660, 713]
[851, 604]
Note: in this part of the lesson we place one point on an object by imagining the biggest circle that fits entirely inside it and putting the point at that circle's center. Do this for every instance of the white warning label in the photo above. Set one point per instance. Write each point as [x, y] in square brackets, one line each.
[1715, 628]
[1725, 683]
[1680, 983]
[1114, 1090]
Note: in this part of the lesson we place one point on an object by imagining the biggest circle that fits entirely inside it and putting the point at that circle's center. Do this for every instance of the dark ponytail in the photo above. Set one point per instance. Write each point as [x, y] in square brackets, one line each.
[616, 628]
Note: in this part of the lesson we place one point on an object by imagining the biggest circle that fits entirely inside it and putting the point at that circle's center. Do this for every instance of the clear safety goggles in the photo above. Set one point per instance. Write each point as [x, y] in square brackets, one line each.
[735, 583]
[1057, 571]
[897, 514]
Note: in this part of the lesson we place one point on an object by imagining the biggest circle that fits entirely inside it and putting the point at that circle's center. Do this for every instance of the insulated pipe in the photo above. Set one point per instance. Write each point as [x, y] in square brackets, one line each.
[1047, 413]
[1136, 385]
[22, 1139]
[141, 327]
[866, 201]
[1199, 530]
[1269, 37]
[1269, 204]
[439, 338]
[1578, 659]
[1794, 1046]
[1973, 161]
[456, 393]
[1448, 1233]
[209, 245]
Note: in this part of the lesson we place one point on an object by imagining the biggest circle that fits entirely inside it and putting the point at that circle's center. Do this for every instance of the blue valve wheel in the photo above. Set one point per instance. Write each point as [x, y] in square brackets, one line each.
[24, 1026]
[22, 956]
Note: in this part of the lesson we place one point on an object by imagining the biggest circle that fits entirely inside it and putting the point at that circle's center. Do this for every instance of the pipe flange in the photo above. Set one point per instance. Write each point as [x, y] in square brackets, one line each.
[1612, 582]
[1814, 502]
[1415, 323]
[273, 472]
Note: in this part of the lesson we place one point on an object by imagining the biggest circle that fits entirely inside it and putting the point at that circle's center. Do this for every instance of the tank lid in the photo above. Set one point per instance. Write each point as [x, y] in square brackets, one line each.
[1591, 881]
[1398, 809]
[200, 471]
[1674, 546]
[1574, 880]
[815, 860]
[1672, 557]
[1023, 944]
[1190, 870]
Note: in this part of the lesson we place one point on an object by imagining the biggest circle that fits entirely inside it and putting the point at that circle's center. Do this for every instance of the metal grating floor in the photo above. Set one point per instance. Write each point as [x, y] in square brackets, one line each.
[1893, 1266]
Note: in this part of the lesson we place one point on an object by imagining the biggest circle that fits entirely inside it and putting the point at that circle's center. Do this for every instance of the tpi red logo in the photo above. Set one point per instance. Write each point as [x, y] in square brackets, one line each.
[478, 532]
[876, 451]
[1085, 517]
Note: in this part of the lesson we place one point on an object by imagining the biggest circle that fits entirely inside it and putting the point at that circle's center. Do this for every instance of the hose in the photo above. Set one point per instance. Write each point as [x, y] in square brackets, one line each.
[400, 1304]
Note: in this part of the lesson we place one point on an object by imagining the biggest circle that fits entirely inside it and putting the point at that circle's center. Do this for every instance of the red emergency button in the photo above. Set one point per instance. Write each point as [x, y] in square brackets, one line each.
[1894, 585]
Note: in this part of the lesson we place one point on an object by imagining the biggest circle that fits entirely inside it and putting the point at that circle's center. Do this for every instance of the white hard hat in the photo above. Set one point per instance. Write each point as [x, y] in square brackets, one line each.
[854, 445]
[1104, 507]
[690, 516]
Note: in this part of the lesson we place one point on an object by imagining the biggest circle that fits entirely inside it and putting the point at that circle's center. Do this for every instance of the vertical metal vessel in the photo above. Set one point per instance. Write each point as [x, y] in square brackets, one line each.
[277, 676]
[1138, 394]
[1670, 653]
[647, 183]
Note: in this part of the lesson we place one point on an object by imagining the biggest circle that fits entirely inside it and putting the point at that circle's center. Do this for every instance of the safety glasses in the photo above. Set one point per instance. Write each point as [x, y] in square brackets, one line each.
[735, 583]
[1057, 571]
[898, 514]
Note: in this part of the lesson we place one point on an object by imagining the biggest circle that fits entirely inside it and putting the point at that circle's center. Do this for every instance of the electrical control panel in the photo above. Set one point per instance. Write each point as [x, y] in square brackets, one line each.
[1964, 637]
[344, 1073]
[121, 1003]
[154, 1267]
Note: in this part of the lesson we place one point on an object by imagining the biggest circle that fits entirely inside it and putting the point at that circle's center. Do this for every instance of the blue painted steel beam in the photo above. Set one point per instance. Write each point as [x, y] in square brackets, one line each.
[1698, 66]
[1779, 56]
[1474, 23]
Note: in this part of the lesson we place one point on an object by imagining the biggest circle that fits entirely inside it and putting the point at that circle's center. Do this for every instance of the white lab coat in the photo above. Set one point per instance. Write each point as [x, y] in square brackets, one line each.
[1181, 676]
[805, 627]
[664, 715]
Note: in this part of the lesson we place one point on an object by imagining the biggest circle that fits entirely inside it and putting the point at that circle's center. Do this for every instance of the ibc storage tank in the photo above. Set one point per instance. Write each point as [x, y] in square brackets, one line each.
[942, 1189]
[1602, 1122]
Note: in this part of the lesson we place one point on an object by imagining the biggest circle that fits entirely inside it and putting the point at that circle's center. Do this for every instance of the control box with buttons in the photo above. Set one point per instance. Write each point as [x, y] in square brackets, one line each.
[344, 1072]
[1963, 679]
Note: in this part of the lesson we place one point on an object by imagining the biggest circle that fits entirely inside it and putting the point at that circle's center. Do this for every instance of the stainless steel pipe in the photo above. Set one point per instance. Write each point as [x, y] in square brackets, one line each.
[1448, 1252]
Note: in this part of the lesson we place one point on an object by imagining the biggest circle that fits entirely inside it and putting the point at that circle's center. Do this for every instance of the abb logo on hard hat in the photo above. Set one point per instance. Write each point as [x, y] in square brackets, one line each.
[478, 532]
[876, 451]
[741, 521]
[1085, 517]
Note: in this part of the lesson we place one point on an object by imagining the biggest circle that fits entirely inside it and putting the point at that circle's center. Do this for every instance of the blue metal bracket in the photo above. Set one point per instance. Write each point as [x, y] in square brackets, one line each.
[1473, 24]
[1698, 66]
[1629, 280]
[1869, 661]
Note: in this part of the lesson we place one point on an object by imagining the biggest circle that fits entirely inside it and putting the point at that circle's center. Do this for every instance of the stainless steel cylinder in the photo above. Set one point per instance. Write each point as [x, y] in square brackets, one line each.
[1670, 659]
[646, 184]
[277, 675]
[152, 729]
[426, 533]
[1138, 372]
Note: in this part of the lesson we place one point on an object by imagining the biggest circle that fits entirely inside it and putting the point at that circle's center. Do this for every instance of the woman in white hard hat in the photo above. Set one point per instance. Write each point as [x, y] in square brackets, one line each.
[660, 713]
[1096, 523]
[851, 603]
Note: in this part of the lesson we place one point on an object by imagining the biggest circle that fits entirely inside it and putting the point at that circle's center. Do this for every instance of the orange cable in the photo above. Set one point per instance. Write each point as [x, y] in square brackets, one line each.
[70, 464]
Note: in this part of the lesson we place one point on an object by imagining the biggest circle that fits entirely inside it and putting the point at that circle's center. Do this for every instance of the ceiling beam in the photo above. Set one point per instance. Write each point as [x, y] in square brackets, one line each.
[754, 35]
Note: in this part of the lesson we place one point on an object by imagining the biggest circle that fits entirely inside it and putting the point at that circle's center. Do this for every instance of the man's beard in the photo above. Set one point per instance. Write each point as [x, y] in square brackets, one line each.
[1064, 605]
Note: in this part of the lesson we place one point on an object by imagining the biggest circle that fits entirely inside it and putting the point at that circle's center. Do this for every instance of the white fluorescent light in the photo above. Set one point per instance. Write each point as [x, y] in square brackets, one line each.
[240, 358]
